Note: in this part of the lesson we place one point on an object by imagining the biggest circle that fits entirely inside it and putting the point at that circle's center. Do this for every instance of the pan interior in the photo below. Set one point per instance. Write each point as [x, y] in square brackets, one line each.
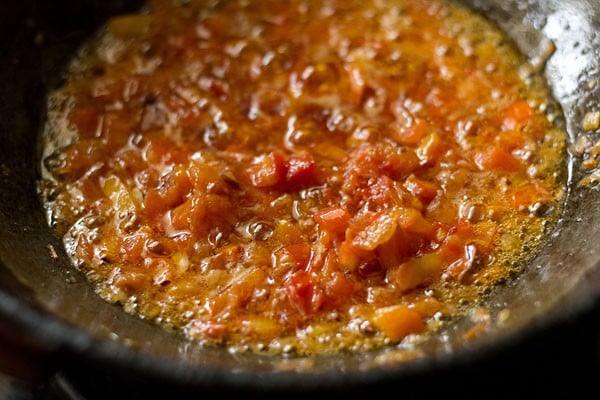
[37, 289]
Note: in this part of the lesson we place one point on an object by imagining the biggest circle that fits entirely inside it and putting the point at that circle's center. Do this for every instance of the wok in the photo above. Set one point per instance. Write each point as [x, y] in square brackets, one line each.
[50, 314]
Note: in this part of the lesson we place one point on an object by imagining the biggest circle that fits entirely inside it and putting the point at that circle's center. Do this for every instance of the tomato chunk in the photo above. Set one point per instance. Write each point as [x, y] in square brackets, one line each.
[397, 322]
[268, 170]
[278, 170]
[304, 293]
[172, 192]
[333, 219]
[301, 171]
[496, 159]
[527, 195]
[518, 113]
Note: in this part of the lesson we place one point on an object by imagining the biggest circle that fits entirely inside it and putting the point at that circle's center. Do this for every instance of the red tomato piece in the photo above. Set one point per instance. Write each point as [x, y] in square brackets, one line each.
[379, 231]
[339, 288]
[170, 194]
[298, 254]
[423, 190]
[496, 159]
[301, 171]
[268, 170]
[333, 219]
[303, 292]
[412, 221]
[398, 321]
[529, 194]
[518, 113]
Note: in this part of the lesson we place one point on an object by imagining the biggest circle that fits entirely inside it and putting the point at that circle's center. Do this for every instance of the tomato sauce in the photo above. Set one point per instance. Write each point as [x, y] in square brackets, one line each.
[301, 176]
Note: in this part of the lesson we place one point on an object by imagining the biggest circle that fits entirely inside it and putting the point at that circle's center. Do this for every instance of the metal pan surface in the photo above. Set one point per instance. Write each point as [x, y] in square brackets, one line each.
[63, 323]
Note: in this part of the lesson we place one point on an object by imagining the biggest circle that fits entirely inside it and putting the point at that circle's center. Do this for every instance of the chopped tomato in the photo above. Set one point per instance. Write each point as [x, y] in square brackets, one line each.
[395, 162]
[396, 250]
[294, 255]
[339, 289]
[399, 162]
[425, 191]
[286, 172]
[203, 213]
[162, 151]
[528, 194]
[172, 192]
[349, 256]
[419, 271]
[303, 292]
[412, 221]
[431, 148]
[301, 171]
[510, 140]
[452, 247]
[132, 246]
[517, 114]
[333, 219]
[75, 157]
[378, 231]
[496, 159]
[131, 281]
[398, 321]
[200, 328]
[268, 170]
[180, 216]
[410, 132]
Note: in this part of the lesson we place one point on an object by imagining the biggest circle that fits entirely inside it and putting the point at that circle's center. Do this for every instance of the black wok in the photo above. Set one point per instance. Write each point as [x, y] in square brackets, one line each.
[50, 314]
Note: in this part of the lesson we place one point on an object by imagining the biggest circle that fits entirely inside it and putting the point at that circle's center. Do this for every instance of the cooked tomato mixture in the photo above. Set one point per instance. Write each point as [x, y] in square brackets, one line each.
[301, 176]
